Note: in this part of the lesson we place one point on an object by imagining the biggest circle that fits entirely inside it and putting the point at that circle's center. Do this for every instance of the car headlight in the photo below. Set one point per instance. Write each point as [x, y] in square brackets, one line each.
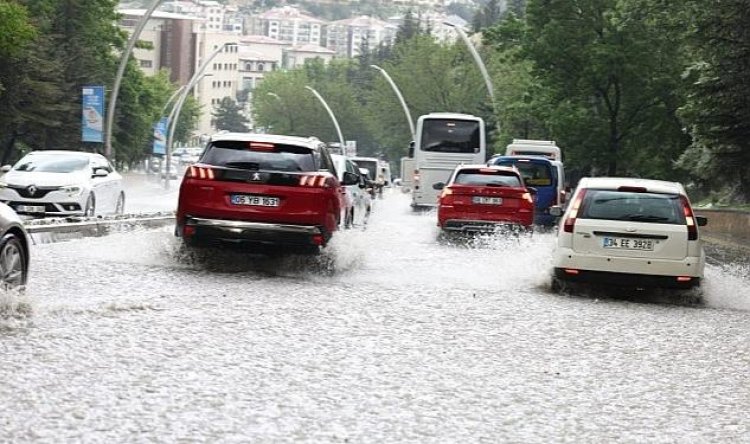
[3, 184]
[74, 190]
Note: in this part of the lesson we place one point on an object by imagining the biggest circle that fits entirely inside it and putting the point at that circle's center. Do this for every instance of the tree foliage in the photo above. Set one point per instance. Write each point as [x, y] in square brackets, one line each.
[717, 109]
[228, 117]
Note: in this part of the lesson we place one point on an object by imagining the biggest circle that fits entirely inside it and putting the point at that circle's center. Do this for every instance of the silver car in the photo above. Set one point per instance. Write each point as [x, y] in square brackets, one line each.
[14, 250]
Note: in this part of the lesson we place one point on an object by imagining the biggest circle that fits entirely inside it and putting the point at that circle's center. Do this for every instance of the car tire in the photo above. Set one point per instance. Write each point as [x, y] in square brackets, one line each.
[90, 209]
[13, 262]
[349, 220]
[120, 205]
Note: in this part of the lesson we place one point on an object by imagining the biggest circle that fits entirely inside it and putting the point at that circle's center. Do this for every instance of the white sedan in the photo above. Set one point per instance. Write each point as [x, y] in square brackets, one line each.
[62, 183]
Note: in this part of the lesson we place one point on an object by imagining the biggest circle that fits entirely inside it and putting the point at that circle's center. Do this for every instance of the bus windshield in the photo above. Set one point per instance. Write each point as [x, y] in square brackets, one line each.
[450, 136]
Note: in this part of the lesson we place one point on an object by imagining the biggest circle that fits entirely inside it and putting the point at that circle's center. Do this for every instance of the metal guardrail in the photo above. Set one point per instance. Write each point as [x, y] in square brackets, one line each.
[97, 225]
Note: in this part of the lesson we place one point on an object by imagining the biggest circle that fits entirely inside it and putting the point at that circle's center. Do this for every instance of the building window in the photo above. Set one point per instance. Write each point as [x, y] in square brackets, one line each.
[146, 63]
[261, 67]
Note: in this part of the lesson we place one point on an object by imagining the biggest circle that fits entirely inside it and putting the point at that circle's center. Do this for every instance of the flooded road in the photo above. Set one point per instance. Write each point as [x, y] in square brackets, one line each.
[391, 336]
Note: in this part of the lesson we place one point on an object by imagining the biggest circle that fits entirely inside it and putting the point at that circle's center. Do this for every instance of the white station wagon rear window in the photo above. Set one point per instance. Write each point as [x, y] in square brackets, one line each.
[633, 206]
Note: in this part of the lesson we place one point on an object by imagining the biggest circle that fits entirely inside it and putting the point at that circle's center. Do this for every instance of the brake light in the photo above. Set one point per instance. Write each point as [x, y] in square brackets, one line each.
[314, 181]
[416, 176]
[572, 271]
[633, 189]
[563, 197]
[692, 226]
[447, 191]
[684, 278]
[573, 214]
[197, 172]
[527, 197]
[261, 146]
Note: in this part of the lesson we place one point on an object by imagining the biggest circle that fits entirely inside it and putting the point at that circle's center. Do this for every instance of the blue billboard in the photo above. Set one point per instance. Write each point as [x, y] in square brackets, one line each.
[160, 137]
[92, 122]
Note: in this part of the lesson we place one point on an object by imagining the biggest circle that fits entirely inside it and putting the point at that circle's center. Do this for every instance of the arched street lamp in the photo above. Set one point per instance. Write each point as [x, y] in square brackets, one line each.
[400, 99]
[120, 73]
[330, 113]
[286, 109]
[477, 59]
[175, 114]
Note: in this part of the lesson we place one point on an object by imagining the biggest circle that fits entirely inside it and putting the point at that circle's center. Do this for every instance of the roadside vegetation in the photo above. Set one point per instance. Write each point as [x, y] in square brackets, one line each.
[651, 88]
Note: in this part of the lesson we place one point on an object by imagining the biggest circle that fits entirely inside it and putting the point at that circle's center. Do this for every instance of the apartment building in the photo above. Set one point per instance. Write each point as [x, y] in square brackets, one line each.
[347, 37]
[288, 24]
[221, 76]
[171, 40]
[296, 56]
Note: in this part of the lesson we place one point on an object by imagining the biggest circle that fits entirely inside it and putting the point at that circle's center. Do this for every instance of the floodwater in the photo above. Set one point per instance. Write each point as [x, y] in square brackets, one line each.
[390, 336]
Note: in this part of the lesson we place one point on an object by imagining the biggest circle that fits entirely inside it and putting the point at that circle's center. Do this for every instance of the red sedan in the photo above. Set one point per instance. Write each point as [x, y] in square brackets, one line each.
[264, 190]
[479, 198]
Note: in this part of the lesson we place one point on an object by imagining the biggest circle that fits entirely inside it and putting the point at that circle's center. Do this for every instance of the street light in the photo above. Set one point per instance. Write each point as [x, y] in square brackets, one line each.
[330, 113]
[400, 99]
[286, 110]
[477, 59]
[120, 73]
[175, 114]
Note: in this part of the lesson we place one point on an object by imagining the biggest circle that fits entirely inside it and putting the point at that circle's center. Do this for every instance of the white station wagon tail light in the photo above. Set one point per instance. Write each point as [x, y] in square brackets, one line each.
[570, 221]
[692, 226]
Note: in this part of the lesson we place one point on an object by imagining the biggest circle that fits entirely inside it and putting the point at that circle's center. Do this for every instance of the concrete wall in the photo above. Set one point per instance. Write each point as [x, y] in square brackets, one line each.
[727, 225]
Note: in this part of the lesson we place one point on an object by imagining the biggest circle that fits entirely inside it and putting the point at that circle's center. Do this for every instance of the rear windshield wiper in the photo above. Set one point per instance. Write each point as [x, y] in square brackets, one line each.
[645, 218]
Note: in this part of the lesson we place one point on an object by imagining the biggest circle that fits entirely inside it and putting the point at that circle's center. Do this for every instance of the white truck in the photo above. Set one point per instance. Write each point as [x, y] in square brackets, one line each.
[527, 147]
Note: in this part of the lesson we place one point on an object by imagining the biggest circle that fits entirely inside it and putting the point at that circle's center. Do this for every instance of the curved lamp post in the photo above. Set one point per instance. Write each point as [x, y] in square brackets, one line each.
[286, 109]
[330, 113]
[400, 99]
[120, 73]
[477, 59]
[174, 115]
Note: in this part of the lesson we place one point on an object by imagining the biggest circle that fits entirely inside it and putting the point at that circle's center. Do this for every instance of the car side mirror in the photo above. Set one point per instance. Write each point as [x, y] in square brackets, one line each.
[702, 221]
[556, 211]
[100, 172]
[438, 186]
[5, 168]
[532, 190]
[411, 150]
[350, 178]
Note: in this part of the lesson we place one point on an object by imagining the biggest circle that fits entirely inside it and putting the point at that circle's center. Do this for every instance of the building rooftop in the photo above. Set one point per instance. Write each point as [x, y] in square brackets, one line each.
[311, 48]
[288, 13]
[158, 14]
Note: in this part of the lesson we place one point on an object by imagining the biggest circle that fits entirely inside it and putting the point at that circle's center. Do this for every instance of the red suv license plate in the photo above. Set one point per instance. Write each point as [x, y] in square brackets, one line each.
[257, 201]
[482, 200]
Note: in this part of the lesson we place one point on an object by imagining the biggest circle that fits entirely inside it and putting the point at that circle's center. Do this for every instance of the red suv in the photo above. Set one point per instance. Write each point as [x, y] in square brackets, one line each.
[262, 189]
[481, 198]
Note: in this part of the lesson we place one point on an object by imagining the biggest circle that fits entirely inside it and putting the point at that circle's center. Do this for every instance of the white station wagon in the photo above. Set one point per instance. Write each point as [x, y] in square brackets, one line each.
[629, 232]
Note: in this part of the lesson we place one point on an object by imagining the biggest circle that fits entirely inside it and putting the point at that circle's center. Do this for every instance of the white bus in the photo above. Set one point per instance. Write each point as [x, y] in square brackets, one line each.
[444, 141]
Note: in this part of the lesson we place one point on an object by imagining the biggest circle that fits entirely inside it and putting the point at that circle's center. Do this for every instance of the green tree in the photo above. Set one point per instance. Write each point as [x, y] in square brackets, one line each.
[717, 111]
[228, 116]
[488, 15]
[611, 76]
[16, 31]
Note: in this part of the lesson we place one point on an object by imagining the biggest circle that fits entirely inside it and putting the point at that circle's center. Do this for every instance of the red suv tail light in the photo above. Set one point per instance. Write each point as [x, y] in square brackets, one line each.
[314, 180]
[692, 226]
[570, 221]
[197, 172]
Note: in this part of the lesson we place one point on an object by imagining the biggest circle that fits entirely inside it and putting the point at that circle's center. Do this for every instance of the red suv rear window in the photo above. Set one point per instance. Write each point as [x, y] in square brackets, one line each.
[240, 154]
[487, 178]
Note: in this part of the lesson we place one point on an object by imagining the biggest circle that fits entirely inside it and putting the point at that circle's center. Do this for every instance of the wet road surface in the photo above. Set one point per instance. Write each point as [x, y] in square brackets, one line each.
[391, 336]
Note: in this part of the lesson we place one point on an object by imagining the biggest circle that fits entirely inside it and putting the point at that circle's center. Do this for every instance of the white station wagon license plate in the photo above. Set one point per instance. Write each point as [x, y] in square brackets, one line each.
[620, 243]
[31, 208]
[257, 201]
[482, 200]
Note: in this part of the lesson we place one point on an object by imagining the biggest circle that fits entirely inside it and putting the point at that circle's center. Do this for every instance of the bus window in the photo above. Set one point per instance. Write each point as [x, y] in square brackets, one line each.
[450, 136]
